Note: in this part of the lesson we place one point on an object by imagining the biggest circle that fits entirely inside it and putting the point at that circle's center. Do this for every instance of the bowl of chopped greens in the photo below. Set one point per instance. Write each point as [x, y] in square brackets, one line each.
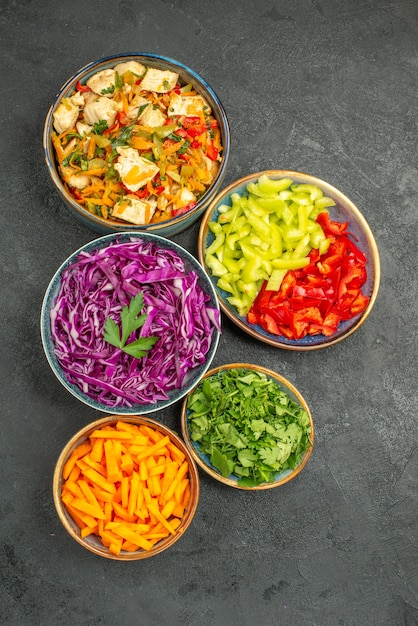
[130, 323]
[101, 478]
[293, 260]
[247, 427]
[136, 141]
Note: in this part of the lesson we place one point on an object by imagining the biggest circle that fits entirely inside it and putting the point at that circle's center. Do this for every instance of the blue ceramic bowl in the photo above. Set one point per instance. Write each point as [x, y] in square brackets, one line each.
[192, 377]
[187, 76]
[202, 459]
[344, 210]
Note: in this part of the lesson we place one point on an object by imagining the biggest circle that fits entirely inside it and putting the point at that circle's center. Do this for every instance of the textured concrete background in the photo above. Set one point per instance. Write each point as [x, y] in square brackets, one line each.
[322, 86]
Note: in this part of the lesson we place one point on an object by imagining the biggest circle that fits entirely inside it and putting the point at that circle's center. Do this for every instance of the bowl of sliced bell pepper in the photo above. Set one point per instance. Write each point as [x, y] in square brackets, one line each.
[293, 260]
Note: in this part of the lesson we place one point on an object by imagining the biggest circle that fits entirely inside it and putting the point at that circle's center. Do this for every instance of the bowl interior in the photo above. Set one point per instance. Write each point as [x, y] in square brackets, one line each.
[344, 210]
[52, 291]
[202, 458]
[93, 542]
[186, 75]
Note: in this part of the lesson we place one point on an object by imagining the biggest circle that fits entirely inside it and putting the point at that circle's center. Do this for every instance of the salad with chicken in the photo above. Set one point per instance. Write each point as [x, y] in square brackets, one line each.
[134, 145]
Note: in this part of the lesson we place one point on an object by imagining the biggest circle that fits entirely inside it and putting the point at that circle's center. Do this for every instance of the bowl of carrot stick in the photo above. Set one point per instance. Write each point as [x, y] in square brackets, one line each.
[126, 488]
[136, 141]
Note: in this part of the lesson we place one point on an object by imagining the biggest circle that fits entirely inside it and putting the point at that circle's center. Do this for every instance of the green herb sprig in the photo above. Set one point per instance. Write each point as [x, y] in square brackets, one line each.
[131, 320]
[99, 127]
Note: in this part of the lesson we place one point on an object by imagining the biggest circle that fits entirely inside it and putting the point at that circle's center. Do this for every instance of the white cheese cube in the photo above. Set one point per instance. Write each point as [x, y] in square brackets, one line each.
[182, 104]
[186, 197]
[133, 210]
[160, 81]
[152, 117]
[134, 171]
[130, 66]
[65, 115]
[101, 109]
[103, 81]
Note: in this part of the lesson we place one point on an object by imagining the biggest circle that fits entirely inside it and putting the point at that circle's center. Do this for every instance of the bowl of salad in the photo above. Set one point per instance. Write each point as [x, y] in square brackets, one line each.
[130, 323]
[136, 141]
[247, 427]
[125, 488]
[293, 260]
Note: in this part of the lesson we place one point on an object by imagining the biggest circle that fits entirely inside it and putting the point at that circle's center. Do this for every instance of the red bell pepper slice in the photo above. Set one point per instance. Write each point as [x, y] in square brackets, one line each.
[111, 128]
[359, 304]
[330, 227]
[330, 323]
[181, 132]
[270, 324]
[77, 195]
[288, 283]
[183, 209]
[286, 331]
[351, 246]
[252, 317]
[353, 279]
[196, 130]
[281, 314]
[190, 120]
[263, 298]
[122, 118]
[82, 88]
[212, 151]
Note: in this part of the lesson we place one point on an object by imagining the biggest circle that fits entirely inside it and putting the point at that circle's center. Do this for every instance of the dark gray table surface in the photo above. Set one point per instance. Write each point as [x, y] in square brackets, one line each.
[321, 86]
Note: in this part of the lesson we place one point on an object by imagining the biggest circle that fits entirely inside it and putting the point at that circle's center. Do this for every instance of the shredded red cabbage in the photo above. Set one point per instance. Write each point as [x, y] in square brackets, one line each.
[97, 285]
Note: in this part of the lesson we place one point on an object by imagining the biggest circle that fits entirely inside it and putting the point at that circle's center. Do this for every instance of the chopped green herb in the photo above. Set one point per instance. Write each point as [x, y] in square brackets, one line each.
[123, 137]
[141, 109]
[174, 137]
[247, 425]
[131, 320]
[111, 173]
[184, 147]
[99, 127]
[109, 89]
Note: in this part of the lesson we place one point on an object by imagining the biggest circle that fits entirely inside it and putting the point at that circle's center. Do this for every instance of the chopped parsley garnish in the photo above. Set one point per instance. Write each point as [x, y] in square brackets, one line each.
[109, 89]
[184, 147]
[131, 320]
[99, 127]
[124, 136]
[111, 173]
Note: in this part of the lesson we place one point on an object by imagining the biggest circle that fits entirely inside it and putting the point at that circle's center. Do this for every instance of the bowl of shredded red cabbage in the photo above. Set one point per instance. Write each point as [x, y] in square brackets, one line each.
[130, 322]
